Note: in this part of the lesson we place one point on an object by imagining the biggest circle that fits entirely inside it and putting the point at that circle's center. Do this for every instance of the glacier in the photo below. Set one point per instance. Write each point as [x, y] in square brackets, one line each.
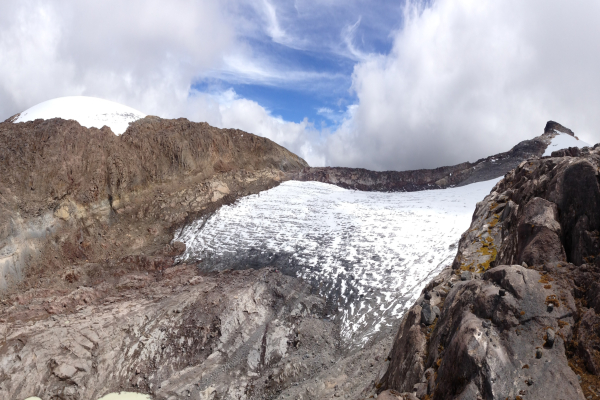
[368, 253]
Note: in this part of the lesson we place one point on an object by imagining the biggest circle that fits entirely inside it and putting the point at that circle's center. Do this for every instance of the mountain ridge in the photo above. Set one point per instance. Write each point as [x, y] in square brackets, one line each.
[437, 178]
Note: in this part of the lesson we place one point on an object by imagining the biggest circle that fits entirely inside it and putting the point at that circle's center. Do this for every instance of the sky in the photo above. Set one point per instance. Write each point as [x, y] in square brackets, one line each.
[384, 85]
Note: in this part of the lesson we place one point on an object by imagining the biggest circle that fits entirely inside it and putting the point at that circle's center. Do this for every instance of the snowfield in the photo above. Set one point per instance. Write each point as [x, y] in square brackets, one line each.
[563, 141]
[88, 111]
[369, 253]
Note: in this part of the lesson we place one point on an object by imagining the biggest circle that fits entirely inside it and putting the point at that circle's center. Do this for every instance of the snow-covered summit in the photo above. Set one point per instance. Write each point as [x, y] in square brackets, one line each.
[563, 141]
[88, 111]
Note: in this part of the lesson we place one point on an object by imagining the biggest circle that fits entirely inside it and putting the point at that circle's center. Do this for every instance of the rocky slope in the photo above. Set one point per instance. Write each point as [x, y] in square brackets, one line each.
[516, 316]
[70, 194]
[456, 175]
[91, 299]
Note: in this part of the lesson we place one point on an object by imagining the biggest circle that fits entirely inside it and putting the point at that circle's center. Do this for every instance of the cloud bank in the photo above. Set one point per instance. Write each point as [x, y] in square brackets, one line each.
[466, 79]
[461, 80]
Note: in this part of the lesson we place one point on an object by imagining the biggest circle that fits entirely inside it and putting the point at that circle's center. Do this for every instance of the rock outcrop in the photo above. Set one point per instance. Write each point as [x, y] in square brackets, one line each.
[552, 127]
[519, 306]
[438, 178]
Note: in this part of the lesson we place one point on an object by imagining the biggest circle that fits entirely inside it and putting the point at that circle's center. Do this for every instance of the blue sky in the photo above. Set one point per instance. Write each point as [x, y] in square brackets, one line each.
[317, 44]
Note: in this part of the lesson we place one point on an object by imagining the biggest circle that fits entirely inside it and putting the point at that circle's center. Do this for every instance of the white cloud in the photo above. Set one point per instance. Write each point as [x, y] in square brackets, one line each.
[143, 53]
[227, 110]
[467, 79]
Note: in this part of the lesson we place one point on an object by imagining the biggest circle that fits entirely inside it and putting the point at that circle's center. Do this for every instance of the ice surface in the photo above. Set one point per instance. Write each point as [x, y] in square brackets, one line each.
[563, 141]
[369, 253]
[88, 111]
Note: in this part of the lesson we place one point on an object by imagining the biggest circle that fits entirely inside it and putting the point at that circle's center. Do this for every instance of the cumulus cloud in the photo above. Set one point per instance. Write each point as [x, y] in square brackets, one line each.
[144, 53]
[466, 79]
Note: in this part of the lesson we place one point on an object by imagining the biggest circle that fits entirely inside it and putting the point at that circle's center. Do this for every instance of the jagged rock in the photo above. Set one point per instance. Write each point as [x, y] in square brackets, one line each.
[588, 341]
[64, 371]
[410, 346]
[429, 313]
[538, 233]
[550, 337]
[544, 215]
[552, 126]
[465, 276]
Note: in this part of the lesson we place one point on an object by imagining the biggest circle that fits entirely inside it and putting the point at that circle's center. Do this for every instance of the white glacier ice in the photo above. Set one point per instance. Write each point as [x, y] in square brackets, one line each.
[563, 141]
[88, 111]
[370, 253]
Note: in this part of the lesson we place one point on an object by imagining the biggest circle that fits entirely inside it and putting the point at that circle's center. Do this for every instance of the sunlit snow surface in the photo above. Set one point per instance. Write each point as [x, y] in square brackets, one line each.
[369, 253]
[563, 141]
[88, 111]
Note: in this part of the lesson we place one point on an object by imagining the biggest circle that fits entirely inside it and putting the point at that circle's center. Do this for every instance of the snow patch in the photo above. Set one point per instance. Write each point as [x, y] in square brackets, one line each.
[88, 111]
[563, 141]
[369, 253]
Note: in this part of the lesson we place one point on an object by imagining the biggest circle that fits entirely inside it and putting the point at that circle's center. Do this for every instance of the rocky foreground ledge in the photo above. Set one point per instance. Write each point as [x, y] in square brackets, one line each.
[517, 314]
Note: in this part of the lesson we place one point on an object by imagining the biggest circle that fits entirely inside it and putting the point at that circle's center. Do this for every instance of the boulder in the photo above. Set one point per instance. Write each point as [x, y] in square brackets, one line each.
[429, 313]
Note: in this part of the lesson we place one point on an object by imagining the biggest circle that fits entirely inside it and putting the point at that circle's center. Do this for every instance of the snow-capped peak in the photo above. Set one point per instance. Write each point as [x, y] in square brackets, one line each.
[88, 111]
[562, 141]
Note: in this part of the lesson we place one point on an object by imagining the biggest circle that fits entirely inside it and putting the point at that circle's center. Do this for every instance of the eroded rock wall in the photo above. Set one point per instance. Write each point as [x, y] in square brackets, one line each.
[70, 193]
[518, 308]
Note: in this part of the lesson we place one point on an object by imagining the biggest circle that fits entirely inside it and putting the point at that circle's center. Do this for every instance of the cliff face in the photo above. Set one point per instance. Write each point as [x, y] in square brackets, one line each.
[516, 315]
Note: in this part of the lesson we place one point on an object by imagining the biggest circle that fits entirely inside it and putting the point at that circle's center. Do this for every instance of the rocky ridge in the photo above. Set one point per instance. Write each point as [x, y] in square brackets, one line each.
[70, 194]
[518, 309]
[424, 179]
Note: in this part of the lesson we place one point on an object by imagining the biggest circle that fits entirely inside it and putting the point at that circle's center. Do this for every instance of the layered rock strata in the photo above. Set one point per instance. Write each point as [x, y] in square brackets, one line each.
[519, 306]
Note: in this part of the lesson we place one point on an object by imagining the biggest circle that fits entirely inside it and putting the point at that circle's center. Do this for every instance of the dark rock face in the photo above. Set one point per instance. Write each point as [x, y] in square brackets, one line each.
[552, 126]
[424, 179]
[513, 330]
[538, 233]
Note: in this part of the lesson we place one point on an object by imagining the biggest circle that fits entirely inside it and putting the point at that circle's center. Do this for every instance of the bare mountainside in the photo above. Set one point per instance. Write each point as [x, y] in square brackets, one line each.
[92, 302]
[98, 195]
